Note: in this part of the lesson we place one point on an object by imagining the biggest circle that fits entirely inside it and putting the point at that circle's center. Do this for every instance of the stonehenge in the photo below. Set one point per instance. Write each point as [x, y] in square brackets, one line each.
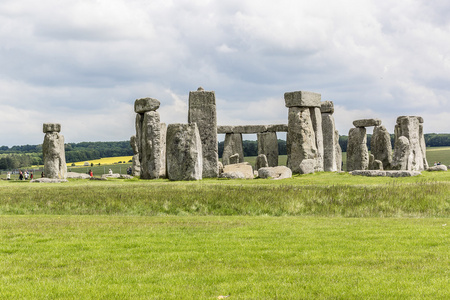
[53, 152]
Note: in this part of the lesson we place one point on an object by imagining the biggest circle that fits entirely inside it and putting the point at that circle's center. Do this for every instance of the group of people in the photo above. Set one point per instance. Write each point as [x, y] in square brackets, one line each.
[437, 163]
[22, 175]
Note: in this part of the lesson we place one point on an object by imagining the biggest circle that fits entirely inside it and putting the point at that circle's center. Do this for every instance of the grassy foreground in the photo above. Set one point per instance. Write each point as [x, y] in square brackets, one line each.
[250, 239]
[95, 257]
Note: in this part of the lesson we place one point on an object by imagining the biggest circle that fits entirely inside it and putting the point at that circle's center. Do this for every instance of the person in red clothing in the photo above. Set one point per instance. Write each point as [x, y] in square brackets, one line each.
[91, 173]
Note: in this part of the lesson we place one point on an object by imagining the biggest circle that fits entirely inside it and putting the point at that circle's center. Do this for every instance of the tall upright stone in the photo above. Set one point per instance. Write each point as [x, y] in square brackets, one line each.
[136, 168]
[202, 110]
[148, 137]
[423, 146]
[409, 127]
[401, 154]
[338, 152]
[357, 152]
[184, 152]
[231, 146]
[329, 137]
[303, 128]
[381, 147]
[53, 152]
[268, 145]
[162, 170]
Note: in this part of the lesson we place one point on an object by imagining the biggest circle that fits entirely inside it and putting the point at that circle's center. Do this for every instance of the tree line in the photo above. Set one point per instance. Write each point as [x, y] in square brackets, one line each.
[27, 155]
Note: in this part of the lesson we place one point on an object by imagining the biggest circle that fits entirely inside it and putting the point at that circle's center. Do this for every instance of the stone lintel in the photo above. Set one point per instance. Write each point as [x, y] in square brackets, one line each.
[367, 122]
[327, 107]
[51, 127]
[252, 129]
[302, 99]
[146, 104]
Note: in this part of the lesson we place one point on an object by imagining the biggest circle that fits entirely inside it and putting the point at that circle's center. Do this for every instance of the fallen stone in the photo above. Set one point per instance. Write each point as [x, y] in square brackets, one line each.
[302, 99]
[114, 175]
[437, 168]
[232, 175]
[144, 105]
[377, 165]
[48, 180]
[75, 175]
[307, 166]
[367, 122]
[279, 172]
[373, 173]
[243, 168]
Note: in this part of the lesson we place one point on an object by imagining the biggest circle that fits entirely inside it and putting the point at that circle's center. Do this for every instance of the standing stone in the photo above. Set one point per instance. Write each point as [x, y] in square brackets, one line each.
[268, 145]
[232, 145]
[329, 137]
[408, 126]
[357, 152]
[338, 151]
[423, 146]
[184, 152]
[150, 151]
[53, 152]
[163, 134]
[301, 140]
[202, 110]
[316, 118]
[261, 162]
[401, 154]
[381, 147]
[136, 168]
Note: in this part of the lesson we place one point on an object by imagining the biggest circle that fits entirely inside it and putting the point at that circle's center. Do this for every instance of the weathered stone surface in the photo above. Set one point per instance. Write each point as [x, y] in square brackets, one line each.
[163, 134]
[327, 107]
[438, 168]
[184, 152]
[357, 152]
[329, 143]
[316, 118]
[307, 166]
[75, 175]
[202, 110]
[114, 175]
[232, 145]
[54, 156]
[401, 154]
[252, 129]
[261, 162]
[279, 172]
[243, 168]
[372, 173]
[423, 146]
[408, 127]
[301, 139]
[220, 167]
[371, 159]
[233, 175]
[234, 159]
[145, 104]
[367, 122]
[48, 180]
[150, 146]
[377, 165]
[302, 99]
[338, 151]
[381, 147]
[51, 127]
[136, 167]
[268, 145]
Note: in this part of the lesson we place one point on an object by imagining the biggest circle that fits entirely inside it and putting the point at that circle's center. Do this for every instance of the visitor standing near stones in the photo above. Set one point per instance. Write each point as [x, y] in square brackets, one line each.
[91, 173]
[20, 175]
[53, 152]
[8, 176]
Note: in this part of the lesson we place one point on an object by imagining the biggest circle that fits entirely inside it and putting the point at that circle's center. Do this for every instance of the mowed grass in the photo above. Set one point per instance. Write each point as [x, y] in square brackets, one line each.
[95, 257]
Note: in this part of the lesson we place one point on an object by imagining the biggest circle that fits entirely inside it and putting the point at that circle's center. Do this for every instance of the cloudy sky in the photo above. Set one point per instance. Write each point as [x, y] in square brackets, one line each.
[83, 62]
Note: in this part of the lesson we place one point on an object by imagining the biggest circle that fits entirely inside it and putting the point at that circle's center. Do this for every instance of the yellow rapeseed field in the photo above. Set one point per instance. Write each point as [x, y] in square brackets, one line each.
[105, 160]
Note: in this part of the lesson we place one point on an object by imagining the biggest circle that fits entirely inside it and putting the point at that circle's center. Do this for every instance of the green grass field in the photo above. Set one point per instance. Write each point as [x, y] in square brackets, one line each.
[316, 236]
